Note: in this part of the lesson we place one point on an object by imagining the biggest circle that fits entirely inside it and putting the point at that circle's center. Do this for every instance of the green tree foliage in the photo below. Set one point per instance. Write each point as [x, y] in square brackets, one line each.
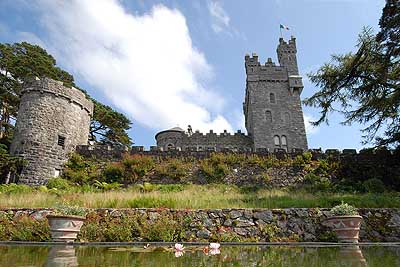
[109, 126]
[365, 86]
[8, 164]
[20, 62]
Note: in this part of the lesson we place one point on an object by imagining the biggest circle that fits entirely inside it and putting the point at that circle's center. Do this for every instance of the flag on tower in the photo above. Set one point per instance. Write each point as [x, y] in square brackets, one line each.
[284, 27]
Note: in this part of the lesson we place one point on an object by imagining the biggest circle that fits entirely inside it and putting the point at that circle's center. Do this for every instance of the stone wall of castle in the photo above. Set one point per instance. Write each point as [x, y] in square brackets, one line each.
[272, 107]
[52, 121]
[180, 140]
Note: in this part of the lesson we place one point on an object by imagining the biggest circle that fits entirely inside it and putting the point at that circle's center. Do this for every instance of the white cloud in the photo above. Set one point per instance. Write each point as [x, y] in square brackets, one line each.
[145, 65]
[310, 129]
[219, 17]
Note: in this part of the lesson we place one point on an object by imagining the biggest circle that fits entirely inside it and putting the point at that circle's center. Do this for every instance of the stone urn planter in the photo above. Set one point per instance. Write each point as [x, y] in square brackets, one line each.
[65, 228]
[345, 222]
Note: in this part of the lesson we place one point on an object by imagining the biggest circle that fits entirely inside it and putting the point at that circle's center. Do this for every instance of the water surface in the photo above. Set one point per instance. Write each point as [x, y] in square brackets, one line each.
[62, 256]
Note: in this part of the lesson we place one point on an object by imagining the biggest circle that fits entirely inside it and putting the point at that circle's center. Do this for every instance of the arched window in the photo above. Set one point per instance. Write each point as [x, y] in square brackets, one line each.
[277, 141]
[284, 142]
[272, 98]
[268, 116]
[170, 146]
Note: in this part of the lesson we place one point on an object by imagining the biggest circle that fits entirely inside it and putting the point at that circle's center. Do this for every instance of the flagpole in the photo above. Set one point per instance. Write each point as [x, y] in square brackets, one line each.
[280, 29]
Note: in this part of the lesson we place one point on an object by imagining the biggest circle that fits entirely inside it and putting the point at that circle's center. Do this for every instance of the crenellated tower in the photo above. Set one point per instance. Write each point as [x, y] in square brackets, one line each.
[272, 106]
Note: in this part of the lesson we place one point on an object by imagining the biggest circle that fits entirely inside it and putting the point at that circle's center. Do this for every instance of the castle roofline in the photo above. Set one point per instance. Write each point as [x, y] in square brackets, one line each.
[174, 129]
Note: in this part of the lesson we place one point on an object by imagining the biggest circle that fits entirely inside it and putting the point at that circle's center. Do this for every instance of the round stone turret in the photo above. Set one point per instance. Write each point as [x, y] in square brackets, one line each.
[52, 120]
[170, 139]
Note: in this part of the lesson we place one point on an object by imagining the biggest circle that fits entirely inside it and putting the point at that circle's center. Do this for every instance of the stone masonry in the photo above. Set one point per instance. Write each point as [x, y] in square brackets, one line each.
[177, 139]
[260, 225]
[272, 110]
[52, 121]
[272, 106]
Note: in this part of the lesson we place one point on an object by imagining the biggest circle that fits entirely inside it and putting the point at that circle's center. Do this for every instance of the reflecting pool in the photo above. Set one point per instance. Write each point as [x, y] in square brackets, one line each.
[299, 256]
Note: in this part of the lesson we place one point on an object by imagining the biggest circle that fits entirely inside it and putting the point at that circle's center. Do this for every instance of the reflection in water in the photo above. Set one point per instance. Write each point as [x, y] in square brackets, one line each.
[62, 256]
[353, 256]
[271, 256]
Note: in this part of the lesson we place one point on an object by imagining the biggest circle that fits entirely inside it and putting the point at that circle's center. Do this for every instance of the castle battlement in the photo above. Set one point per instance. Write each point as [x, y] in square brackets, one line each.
[57, 88]
[272, 110]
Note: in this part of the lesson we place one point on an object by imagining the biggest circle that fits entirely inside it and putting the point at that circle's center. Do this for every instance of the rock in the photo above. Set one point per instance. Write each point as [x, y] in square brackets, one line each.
[395, 220]
[228, 222]
[266, 216]
[153, 216]
[309, 237]
[242, 223]
[207, 222]
[240, 231]
[203, 233]
[248, 214]
[40, 215]
[302, 212]
[235, 214]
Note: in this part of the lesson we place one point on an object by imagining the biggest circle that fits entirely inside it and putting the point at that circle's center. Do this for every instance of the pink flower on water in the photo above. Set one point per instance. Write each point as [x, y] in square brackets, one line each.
[178, 254]
[179, 247]
[215, 245]
[214, 252]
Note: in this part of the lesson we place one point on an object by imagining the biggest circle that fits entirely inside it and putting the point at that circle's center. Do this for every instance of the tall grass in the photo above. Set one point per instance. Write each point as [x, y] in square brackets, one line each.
[195, 197]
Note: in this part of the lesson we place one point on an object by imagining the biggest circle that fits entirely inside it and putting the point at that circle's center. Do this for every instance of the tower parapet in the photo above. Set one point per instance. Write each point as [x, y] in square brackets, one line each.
[272, 106]
[52, 120]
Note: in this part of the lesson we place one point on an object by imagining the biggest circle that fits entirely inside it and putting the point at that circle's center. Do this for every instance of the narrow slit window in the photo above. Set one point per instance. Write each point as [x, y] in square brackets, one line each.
[268, 116]
[61, 141]
[272, 97]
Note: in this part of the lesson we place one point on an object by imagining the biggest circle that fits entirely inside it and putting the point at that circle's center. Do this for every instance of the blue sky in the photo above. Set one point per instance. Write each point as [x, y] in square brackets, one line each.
[169, 63]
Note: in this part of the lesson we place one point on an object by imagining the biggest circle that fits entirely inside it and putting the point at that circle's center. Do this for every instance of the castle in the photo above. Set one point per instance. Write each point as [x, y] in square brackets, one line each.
[272, 110]
[54, 120]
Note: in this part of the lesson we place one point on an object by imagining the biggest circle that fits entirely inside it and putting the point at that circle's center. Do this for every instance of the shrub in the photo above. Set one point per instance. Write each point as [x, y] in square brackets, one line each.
[59, 184]
[214, 172]
[307, 156]
[103, 186]
[299, 161]
[315, 183]
[344, 209]
[80, 170]
[163, 228]
[173, 168]
[374, 185]
[64, 209]
[15, 188]
[136, 166]
[25, 228]
[114, 172]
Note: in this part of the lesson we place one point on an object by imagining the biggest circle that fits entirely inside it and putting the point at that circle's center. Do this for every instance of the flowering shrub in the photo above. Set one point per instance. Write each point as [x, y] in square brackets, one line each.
[344, 209]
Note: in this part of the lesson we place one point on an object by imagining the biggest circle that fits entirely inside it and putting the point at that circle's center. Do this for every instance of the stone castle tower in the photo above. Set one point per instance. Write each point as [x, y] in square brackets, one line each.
[272, 106]
[52, 121]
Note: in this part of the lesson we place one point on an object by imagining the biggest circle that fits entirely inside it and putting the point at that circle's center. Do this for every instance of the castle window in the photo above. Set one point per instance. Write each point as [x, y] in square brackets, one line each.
[284, 142]
[268, 116]
[170, 146]
[272, 98]
[277, 141]
[61, 141]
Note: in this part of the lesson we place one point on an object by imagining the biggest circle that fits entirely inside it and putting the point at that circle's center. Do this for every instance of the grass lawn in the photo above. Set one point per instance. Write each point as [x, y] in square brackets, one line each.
[190, 197]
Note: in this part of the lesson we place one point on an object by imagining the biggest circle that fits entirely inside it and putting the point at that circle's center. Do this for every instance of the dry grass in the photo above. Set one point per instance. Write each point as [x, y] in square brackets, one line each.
[195, 197]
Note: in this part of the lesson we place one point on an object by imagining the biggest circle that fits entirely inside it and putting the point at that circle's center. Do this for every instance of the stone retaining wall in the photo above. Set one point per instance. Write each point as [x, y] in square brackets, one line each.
[268, 225]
